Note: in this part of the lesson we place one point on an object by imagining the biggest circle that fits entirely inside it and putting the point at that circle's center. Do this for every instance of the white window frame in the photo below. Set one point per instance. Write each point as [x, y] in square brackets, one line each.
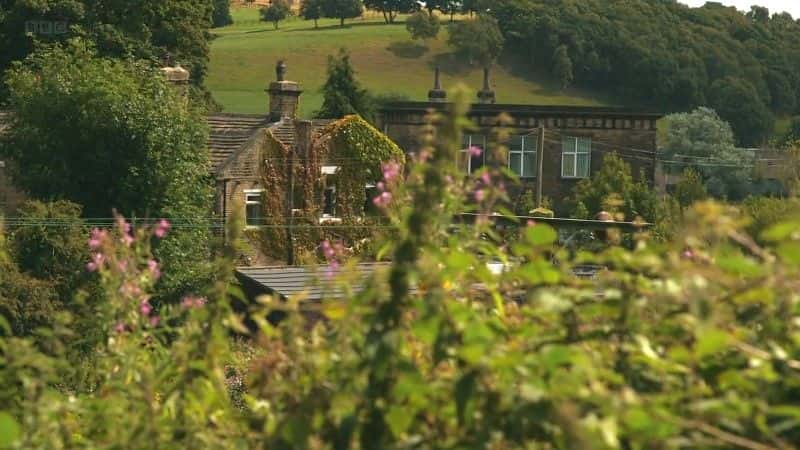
[259, 202]
[467, 143]
[529, 146]
[570, 147]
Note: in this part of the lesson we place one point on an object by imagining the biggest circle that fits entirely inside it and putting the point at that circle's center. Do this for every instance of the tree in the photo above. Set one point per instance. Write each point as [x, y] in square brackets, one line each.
[312, 10]
[277, 10]
[57, 254]
[449, 7]
[477, 40]
[147, 29]
[111, 134]
[222, 13]
[613, 189]
[562, 66]
[342, 94]
[737, 101]
[690, 188]
[703, 141]
[423, 25]
[342, 9]
[391, 8]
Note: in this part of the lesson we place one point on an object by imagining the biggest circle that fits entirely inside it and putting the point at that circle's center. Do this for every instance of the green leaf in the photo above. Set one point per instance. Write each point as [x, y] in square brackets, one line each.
[711, 341]
[9, 430]
[464, 391]
[541, 235]
[781, 231]
[790, 253]
[399, 419]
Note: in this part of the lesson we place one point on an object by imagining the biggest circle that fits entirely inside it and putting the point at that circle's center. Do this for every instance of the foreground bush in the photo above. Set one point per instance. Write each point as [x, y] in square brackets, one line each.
[695, 344]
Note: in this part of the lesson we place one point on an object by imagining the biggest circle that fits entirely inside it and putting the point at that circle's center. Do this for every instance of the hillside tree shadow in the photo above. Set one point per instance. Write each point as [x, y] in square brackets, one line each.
[407, 49]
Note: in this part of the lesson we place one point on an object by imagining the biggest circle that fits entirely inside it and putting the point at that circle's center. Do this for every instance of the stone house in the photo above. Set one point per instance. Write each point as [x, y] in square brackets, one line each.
[576, 138]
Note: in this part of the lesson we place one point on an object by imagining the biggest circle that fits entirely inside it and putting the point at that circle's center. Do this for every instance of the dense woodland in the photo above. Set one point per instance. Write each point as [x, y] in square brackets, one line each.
[667, 55]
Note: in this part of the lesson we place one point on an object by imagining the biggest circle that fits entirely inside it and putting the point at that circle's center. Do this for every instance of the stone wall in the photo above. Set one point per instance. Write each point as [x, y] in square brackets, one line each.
[631, 136]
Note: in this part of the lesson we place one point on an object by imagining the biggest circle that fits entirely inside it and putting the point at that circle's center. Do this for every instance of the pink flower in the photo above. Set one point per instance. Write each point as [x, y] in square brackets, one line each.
[154, 321]
[190, 302]
[383, 200]
[333, 266]
[531, 223]
[122, 265]
[96, 262]
[327, 250]
[119, 327]
[162, 227]
[127, 239]
[475, 151]
[145, 308]
[486, 178]
[391, 170]
[381, 186]
[97, 238]
[688, 254]
[480, 195]
[152, 266]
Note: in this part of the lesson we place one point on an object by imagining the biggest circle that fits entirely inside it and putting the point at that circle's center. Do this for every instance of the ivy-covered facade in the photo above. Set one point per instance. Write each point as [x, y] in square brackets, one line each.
[331, 169]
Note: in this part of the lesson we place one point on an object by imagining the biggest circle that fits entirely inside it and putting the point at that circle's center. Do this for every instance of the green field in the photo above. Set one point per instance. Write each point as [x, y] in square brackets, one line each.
[386, 60]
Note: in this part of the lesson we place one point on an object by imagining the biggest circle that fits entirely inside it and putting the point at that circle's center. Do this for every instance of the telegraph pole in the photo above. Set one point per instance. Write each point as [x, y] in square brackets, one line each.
[539, 165]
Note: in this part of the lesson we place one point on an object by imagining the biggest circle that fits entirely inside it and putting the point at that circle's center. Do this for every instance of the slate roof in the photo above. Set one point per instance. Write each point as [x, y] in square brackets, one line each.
[287, 281]
[229, 132]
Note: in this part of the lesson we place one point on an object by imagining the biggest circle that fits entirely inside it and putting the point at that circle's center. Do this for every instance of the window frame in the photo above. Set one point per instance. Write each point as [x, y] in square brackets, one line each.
[576, 153]
[522, 152]
[467, 143]
[259, 202]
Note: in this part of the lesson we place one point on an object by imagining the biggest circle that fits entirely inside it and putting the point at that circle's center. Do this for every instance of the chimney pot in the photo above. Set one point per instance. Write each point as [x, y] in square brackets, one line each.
[486, 95]
[437, 94]
[284, 96]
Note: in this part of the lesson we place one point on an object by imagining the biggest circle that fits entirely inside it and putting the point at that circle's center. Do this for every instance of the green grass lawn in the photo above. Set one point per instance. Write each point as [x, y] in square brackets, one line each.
[386, 60]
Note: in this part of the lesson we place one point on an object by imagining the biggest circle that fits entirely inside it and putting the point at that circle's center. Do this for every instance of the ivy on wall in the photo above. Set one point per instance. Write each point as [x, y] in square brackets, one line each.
[358, 150]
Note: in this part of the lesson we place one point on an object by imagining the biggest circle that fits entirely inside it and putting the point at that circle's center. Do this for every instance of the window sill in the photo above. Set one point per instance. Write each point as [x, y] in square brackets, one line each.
[573, 178]
[324, 220]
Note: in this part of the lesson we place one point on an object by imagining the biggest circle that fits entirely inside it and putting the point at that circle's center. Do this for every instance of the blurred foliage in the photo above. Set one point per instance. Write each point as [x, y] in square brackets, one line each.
[690, 343]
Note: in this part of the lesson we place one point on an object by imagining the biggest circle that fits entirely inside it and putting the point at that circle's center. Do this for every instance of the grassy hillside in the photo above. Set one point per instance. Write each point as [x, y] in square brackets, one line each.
[243, 57]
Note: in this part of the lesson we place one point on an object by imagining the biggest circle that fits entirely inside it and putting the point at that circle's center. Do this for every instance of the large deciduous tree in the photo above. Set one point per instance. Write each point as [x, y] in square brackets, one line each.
[145, 29]
[738, 102]
[478, 40]
[701, 140]
[342, 93]
[312, 10]
[112, 134]
[222, 13]
[391, 8]
[276, 11]
[342, 9]
[423, 25]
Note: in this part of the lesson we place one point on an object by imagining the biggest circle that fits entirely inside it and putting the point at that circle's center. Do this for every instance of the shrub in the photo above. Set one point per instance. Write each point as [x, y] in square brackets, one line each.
[423, 25]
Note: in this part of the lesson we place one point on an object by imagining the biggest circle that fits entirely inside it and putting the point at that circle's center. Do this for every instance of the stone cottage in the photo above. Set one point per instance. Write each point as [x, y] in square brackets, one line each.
[574, 142]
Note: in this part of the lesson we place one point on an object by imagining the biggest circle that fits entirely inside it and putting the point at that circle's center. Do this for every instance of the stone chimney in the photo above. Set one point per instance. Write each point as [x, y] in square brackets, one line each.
[176, 76]
[284, 96]
[437, 94]
[486, 95]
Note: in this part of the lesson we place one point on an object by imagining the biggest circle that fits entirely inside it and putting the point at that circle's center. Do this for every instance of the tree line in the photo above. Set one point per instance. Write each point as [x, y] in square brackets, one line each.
[666, 55]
